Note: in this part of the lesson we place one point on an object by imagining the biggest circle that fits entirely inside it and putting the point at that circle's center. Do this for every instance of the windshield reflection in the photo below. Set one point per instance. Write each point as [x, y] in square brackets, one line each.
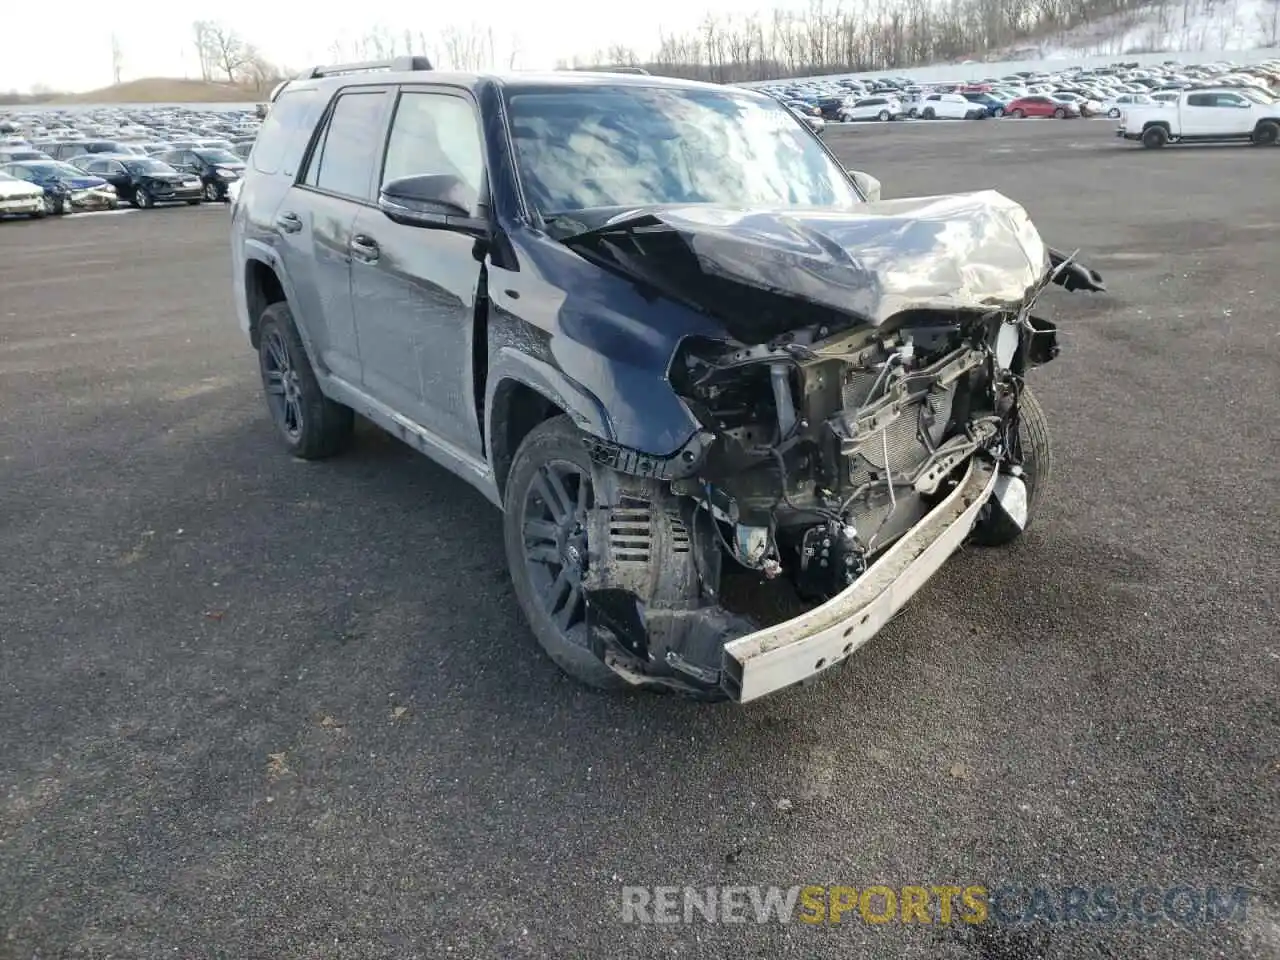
[585, 147]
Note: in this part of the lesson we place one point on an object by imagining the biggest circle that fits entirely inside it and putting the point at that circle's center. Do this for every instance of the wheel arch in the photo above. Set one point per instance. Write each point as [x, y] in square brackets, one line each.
[521, 392]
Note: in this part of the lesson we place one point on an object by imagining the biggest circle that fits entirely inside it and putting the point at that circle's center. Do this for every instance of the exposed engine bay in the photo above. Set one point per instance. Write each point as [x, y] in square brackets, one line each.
[820, 447]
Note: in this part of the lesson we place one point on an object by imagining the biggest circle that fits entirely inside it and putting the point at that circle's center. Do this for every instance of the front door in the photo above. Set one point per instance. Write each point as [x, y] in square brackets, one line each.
[414, 289]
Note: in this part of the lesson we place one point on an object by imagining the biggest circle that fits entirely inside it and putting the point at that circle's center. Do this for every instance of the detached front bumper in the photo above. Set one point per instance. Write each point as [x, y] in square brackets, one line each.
[91, 200]
[777, 657]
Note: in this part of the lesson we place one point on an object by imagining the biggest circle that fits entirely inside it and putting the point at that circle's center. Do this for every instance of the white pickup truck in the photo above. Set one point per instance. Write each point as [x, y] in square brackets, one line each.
[1204, 116]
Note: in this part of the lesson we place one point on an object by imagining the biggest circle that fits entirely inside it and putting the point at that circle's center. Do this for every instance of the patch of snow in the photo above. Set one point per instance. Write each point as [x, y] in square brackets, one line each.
[1172, 26]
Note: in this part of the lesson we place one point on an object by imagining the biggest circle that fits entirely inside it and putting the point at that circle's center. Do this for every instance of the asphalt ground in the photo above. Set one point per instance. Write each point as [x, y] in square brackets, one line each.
[255, 707]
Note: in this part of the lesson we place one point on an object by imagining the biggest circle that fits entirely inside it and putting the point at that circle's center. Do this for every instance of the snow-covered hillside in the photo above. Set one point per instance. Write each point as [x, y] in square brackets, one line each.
[1174, 26]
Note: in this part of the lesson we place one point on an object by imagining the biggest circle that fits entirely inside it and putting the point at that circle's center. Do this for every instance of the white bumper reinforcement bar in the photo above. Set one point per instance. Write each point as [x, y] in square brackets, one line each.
[777, 657]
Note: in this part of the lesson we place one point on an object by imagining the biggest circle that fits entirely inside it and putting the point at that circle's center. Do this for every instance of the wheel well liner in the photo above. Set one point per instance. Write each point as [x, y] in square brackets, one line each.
[517, 409]
[1155, 123]
[261, 289]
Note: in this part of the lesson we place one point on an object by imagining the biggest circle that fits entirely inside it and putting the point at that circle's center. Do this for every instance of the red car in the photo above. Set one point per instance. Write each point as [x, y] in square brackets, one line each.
[1040, 105]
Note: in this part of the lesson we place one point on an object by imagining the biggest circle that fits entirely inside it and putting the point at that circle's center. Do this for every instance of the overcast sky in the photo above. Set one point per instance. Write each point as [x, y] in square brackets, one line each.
[158, 42]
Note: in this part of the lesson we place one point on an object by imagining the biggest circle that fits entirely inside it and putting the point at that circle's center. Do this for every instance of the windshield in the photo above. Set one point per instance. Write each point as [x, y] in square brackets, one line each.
[147, 166]
[583, 147]
[56, 170]
[4, 176]
[217, 156]
[1256, 95]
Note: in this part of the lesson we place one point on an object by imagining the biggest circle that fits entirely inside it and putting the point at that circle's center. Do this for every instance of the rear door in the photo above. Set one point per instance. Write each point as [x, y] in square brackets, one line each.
[315, 219]
[1198, 116]
[415, 289]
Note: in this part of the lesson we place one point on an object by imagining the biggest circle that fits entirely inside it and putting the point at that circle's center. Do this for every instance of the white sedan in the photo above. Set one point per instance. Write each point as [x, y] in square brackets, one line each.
[18, 198]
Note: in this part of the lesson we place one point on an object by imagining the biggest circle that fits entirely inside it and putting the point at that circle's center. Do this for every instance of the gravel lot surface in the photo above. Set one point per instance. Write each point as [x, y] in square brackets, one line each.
[255, 707]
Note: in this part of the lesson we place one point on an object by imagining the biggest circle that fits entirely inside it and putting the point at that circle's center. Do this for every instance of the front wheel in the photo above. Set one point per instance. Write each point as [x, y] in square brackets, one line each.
[998, 112]
[1114, 113]
[1060, 114]
[212, 193]
[1036, 453]
[549, 492]
[312, 425]
[883, 116]
[1267, 133]
[1017, 114]
[142, 199]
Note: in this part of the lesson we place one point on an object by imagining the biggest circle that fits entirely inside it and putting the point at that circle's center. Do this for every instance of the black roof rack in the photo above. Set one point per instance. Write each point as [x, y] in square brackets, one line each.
[408, 64]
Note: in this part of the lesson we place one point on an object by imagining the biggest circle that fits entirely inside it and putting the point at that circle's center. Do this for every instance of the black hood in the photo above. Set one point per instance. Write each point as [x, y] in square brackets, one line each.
[975, 251]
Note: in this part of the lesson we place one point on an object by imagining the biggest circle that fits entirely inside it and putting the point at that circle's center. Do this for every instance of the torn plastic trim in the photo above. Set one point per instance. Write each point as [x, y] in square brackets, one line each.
[777, 657]
[684, 462]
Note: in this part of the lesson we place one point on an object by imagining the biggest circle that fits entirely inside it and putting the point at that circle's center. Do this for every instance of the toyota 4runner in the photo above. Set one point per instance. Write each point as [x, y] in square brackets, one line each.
[735, 408]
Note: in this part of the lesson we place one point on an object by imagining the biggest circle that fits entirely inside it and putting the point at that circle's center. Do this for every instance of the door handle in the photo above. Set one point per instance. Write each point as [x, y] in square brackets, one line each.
[289, 222]
[364, 248]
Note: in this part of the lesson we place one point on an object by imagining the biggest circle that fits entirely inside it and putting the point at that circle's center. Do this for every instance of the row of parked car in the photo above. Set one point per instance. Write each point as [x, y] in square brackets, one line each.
[1073, 92]
[60, 163]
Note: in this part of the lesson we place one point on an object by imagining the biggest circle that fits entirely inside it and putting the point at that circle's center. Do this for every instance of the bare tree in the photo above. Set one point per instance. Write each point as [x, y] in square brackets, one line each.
[229, 51]
[204, 48]
[117, 59]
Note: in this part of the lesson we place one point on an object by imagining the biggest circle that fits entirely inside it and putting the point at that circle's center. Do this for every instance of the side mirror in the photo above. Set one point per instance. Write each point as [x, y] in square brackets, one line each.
[868, 184]
[436, 202]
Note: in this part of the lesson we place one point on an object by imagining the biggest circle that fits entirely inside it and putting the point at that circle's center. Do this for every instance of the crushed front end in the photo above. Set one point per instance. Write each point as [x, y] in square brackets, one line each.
[840, 460]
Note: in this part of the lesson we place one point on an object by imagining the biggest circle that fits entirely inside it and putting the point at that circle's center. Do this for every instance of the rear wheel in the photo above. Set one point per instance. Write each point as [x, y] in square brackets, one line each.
[1114, 113]
[1060, 113]
[549, 491]
[1153, 138]
[929, 114]
[1017, 113]
[142, 199]
[998, 112]
[312, 425]
[883, 116]
[1036, 452]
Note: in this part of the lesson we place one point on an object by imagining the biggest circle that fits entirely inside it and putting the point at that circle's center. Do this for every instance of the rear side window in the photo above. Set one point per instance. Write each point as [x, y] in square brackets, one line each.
[286, 132]
[1200, 100]
[343, 160]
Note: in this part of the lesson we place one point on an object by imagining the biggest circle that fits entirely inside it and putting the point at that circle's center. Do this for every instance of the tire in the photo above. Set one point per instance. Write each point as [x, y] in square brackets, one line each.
[313, 426]
[928, 113]
[1267, 133]
[1153, 138]
[1037, 470]
[1114, 113]
[39, 214]
[554, 447]
[1017, 113]
[1060, 114]
[884, 116]
[212, 193]
[143, 200]
[913, 114]
[998, 112]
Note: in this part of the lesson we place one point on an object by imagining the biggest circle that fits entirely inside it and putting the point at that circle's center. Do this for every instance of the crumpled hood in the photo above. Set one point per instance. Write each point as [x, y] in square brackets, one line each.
[964, 251]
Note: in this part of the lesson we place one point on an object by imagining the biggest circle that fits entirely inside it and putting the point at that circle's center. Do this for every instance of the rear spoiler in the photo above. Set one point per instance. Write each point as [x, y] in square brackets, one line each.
[397, 64]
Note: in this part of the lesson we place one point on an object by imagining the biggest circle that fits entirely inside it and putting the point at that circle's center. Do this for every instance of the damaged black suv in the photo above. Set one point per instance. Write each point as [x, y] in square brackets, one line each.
[736, 409]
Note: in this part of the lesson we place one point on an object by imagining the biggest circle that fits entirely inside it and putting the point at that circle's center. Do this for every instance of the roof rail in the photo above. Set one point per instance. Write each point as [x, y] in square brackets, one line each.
[407, 64]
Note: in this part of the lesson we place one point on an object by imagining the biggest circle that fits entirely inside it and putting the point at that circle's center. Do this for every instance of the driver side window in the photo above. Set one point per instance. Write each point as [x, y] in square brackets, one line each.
[435, 134]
